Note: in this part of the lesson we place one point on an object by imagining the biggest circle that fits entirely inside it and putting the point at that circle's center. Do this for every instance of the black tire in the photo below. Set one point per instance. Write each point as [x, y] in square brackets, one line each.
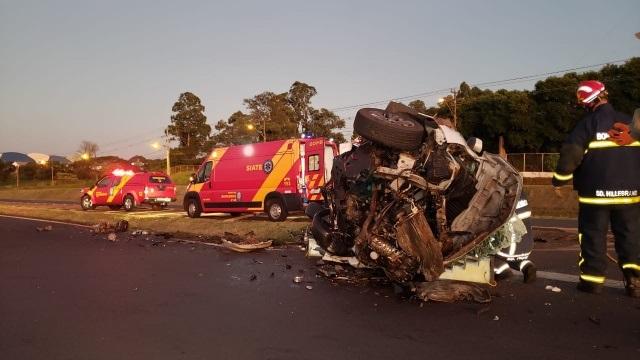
[129, 203]
[115, 207]
[395, 130]
[193, 208]
[275, 209]
[85, 203]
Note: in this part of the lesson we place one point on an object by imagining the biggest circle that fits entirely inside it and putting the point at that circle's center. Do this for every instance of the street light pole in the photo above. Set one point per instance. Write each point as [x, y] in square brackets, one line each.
[168, 160]
[17, 173]
[156, 145]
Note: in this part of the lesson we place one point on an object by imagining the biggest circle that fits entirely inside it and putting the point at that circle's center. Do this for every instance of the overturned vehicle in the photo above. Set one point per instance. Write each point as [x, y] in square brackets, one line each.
[415, 198]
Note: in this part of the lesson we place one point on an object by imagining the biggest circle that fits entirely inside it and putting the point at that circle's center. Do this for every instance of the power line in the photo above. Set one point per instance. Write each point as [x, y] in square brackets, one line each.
[487, 83]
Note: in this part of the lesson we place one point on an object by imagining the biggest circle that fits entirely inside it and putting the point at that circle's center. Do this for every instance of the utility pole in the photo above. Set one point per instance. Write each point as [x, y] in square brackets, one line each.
[452, 107]
[455, 108]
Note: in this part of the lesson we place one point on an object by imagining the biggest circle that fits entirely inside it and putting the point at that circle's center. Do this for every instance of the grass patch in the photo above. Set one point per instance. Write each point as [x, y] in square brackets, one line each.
[162, 221]
[544, 201]
[181, 178]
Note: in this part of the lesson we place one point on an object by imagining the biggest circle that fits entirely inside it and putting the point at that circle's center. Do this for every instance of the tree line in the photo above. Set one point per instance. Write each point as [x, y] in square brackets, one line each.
[267, 116]
[535, 120]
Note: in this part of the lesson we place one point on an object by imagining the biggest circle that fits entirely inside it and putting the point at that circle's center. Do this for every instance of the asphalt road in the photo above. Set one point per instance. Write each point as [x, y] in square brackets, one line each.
[66, 294]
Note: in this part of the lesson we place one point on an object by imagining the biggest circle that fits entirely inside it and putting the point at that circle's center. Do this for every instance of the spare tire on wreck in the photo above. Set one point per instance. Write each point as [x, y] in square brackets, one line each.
[395, 130]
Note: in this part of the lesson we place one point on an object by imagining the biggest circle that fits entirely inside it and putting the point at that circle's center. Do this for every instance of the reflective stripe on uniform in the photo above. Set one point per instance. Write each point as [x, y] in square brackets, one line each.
[562, 177]
[609, 201]
[524, 215]
[631, 266]
[592, 278]
[601, 144]
[580, 258]
[525, 263]
[501, 269]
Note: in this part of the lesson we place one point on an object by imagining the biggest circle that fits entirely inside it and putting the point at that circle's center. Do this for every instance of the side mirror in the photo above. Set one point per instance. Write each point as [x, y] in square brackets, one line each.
[192, 178]
[475, 144]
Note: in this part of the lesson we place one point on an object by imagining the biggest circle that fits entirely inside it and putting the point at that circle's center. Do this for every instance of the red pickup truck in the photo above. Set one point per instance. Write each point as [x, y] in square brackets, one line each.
[128, 189]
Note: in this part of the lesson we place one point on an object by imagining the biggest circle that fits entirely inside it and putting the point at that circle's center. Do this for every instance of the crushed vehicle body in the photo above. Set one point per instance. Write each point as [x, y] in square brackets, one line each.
[415, 197]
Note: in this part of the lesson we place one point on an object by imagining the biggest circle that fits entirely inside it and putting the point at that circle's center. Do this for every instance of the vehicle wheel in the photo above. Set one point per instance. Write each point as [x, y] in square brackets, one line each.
[395, 130]
[129, 203]
[275, 210]
[193, 208]
[115, 207]
[86, 204]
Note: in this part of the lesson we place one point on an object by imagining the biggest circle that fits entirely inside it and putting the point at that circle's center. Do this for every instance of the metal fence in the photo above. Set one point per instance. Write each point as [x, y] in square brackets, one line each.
[184, 168]
[534, 162]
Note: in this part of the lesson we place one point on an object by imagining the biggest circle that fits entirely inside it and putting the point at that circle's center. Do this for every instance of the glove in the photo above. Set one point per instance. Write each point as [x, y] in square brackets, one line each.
[620, 134]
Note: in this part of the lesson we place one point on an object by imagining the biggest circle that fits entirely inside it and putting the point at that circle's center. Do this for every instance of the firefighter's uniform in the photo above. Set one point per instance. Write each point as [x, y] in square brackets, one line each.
[607, 178]
[516, 255]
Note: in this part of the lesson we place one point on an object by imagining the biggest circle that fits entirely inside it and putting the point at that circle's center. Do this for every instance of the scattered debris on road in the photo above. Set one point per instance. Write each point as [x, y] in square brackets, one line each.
[112, 237]
[594, 320]
[555, 289]
[241, 247]
[245, 243]
[298, 279]
[44, 228]
[452, 291]
[107, 227]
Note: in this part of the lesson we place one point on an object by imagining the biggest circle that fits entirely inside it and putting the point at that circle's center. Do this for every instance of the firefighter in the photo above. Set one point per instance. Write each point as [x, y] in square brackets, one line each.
[516, 255]
[606, 174]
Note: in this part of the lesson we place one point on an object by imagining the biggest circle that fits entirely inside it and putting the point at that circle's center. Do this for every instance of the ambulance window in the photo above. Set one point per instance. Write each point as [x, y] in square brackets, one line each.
[116, 181]
[104, 182]
[205, 172]
[314, 162]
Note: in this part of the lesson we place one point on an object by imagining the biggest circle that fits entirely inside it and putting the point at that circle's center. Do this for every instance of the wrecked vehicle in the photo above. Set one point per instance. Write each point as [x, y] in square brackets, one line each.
[415, 197]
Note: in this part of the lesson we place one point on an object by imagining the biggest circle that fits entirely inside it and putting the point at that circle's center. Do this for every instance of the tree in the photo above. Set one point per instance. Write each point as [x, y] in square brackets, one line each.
[238, 129]
[272, 115]
[189, 125]
[89, 148]
[299, 96]
[324, 122]
[419, 106]
[503, 113]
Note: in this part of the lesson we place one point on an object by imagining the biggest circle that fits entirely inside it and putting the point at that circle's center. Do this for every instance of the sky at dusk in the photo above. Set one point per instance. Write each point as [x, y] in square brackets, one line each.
[109, 71]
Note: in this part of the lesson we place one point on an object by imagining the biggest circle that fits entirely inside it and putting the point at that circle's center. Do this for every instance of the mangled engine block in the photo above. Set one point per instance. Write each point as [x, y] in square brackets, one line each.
[412, 207]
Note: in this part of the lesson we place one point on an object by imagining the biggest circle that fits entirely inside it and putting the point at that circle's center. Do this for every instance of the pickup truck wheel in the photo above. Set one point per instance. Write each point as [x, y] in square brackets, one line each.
[129, 203]
[275, 210]
[193, 208]
[86, 204]
[395, 130]
[115, 207]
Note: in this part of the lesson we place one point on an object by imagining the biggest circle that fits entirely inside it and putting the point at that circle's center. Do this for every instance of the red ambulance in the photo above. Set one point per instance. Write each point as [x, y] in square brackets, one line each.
[275, 177]
[128, 189]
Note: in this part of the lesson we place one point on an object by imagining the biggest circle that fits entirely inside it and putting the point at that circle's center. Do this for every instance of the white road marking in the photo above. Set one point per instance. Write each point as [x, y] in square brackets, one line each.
[549, 275]
[43, 220]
